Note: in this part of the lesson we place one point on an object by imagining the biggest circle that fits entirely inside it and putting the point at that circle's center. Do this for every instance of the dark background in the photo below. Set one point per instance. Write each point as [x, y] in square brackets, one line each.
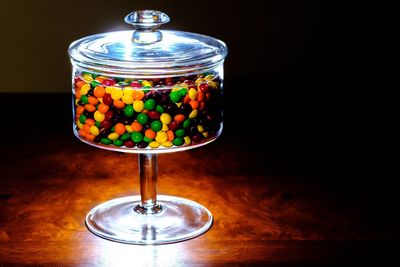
[307, 81]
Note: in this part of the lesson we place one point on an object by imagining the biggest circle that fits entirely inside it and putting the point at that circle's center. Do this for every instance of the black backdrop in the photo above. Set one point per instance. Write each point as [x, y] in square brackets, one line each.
[310, 81]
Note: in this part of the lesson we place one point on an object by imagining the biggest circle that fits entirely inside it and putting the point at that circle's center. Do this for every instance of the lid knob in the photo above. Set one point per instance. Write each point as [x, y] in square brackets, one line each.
[146, 24]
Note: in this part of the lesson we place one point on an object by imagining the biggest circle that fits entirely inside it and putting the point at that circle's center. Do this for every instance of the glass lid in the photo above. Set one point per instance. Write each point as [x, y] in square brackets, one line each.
[147, 51]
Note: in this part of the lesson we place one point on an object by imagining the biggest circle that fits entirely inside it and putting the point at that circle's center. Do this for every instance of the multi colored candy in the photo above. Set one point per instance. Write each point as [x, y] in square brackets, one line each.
[147, 114]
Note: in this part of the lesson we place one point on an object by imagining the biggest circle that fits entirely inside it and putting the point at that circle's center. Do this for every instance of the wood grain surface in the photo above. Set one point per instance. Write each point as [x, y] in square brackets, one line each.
[268, 210]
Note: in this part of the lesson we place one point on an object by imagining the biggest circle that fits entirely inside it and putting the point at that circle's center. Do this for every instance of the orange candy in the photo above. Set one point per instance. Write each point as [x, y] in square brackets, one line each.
[90, 137]
[99, 91]
[186, 99]
[80, 84]
[78, 94]
[86, 128]
[90, 108]
[99, 79]
[136, 127]
[103, 108]
[90, 121]
[200, 95]
[119, 104]
[92, 100]
[138, 94]
[170, 135]
[79, 110]
[149, 133]
[194, 104]
[82, 133]
[179, 118]
[120, 128]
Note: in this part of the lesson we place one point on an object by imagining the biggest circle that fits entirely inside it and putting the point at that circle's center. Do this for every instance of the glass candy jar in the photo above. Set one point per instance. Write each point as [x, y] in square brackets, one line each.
[147, 92]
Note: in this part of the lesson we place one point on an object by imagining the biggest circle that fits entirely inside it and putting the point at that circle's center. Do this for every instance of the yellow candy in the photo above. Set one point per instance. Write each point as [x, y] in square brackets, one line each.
[113, 136]
[117, 94]
[128, 99]
[205, 134]
[85, 89]
[147, 83]
[161, 137]
[154, 144]
[184, 85]
[199, 80]
[128, 128]
[110, 89]
[187, 139]
[98, 116]
[138, 105]
[167, 144]
[128, 91]
[164, 127]
[76, 101]
[193, 114]
[87, 77]
[94, 130]
[79, 124]
[200, 128]
[209, 77]
[192, 93]
[165, 118]
[179, 104]
[212, 84]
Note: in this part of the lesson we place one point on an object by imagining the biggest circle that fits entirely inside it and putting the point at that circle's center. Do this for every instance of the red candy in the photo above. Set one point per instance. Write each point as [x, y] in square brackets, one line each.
[108, 82]
[135, 84]
[174, 125]
[108, 116]
[129, 144]
[204, 87]
[107, 99]
[154, 115]
[105, 124]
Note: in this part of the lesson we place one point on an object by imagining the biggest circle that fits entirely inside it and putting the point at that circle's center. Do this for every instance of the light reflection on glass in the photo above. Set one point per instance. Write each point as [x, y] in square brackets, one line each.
[120, 255]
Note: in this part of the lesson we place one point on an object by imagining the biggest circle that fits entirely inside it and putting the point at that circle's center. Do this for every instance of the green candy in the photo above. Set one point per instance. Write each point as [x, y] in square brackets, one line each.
[156, 125]
[105, 141]
[82, 118]
[94, 83]
[180, 132]
[128, 110]
[147, 140]
[183, 91]
[118, 142]
[125, 137]
[113, 129]
[137, 137]
[150, 104]
[120, 79]
[178, 141]
[123, 84]
[160, 109]
[142, 118]
[175, 96]
[186, 123]
[98, 124]
[84, 99]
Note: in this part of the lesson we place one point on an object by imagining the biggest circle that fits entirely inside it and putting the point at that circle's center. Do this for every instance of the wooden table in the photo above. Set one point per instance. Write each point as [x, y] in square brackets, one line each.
[268, 209]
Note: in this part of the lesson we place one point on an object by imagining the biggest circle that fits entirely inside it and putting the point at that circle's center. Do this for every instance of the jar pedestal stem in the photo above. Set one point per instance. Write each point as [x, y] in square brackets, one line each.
[148, 169]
